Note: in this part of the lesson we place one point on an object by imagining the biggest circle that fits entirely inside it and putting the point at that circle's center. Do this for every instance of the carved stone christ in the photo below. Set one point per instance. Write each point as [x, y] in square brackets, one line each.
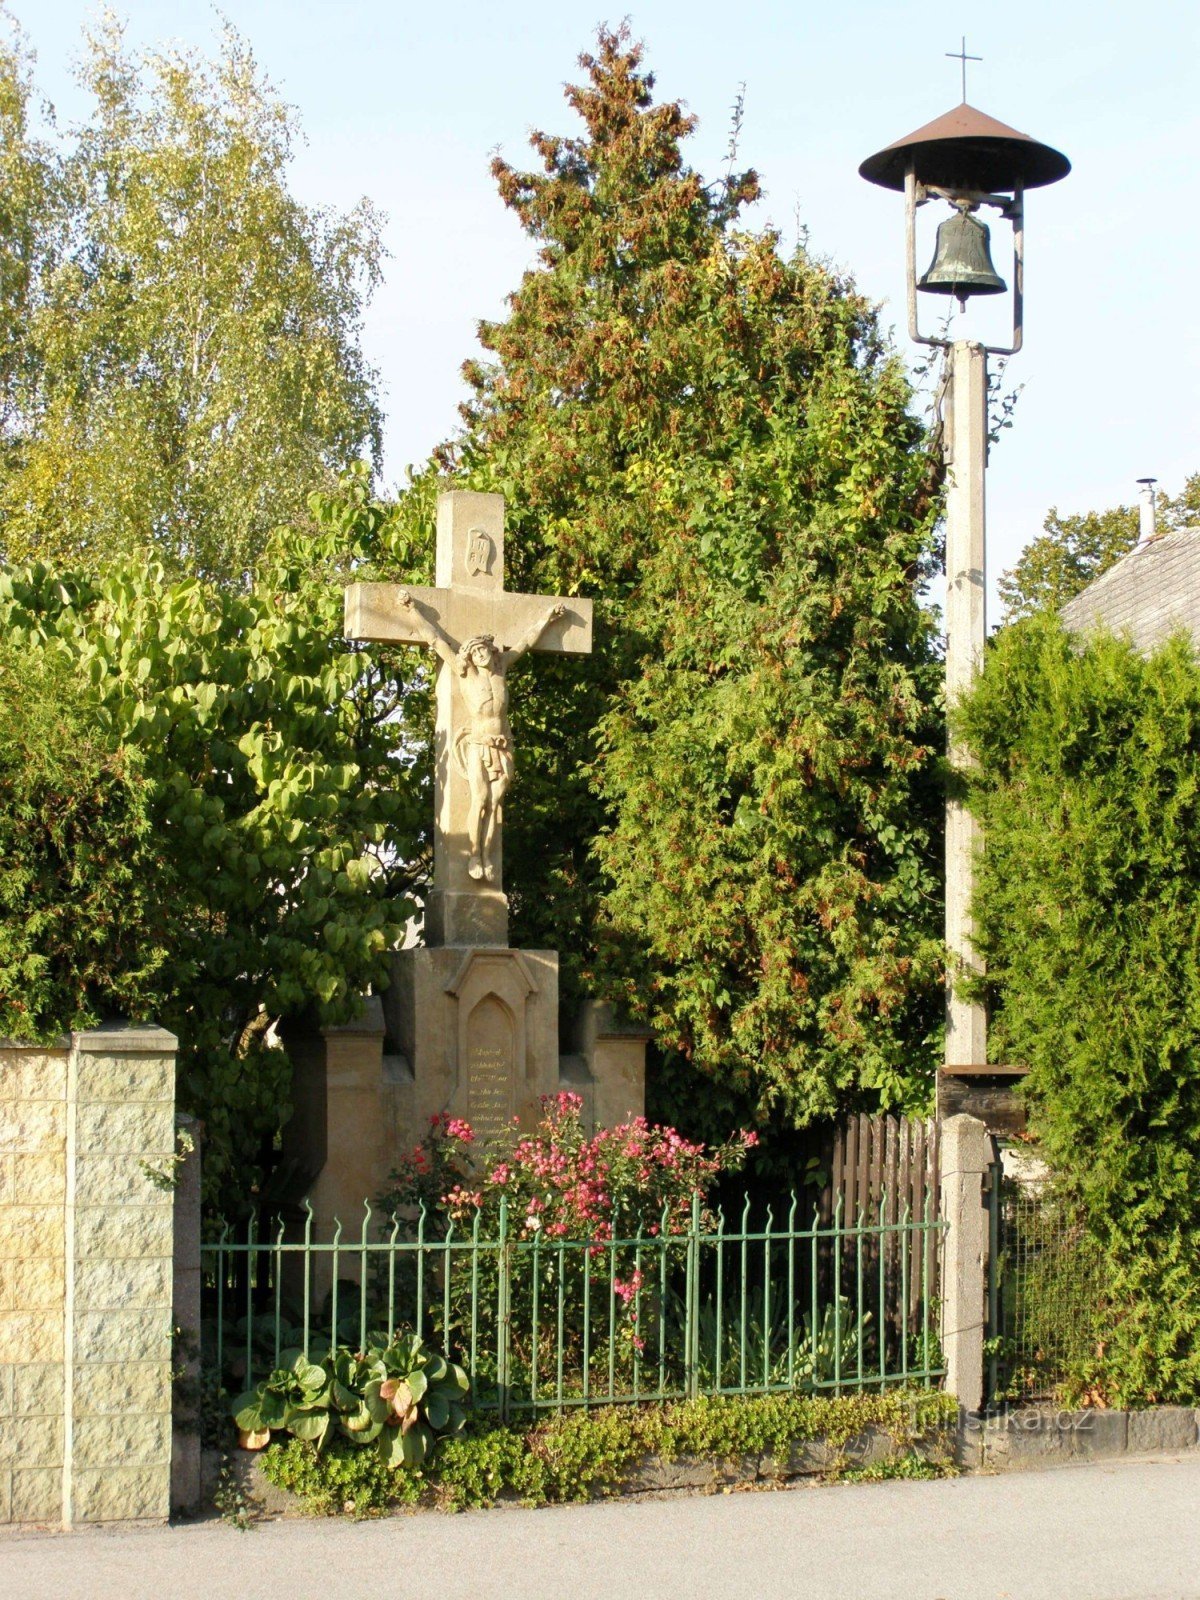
[462, 618]
[482, 748]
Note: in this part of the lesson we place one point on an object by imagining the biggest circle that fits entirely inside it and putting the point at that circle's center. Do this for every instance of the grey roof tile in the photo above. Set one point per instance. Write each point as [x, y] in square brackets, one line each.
[1150, 594]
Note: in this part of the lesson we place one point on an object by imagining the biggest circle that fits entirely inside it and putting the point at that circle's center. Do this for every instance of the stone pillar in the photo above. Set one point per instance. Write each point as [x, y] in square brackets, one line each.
[186, 1491]
[338, 1143]
[120, 1251]
[87, 1139]
[966, 1154]
[966, 633]
[33, 1188]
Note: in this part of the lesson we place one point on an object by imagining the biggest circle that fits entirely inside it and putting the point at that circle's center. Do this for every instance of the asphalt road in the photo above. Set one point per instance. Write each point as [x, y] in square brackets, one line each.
[1097, 1532]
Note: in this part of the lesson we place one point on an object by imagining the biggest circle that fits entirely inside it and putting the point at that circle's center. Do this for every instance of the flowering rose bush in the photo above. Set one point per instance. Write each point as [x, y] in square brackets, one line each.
[590, 1230]
[428, 1174]
[560, 1181]
[613, 1184]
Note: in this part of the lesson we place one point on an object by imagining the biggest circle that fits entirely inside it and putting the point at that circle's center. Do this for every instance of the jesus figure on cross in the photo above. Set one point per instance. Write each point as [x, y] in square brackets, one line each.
[482, 748]
[462, 617]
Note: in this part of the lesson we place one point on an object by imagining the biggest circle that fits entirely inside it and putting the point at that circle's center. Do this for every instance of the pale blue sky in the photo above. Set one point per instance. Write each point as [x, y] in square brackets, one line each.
[405, 102]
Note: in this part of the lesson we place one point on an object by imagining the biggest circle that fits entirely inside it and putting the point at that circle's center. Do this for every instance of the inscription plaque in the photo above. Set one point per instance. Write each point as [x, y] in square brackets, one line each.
[491, 1069]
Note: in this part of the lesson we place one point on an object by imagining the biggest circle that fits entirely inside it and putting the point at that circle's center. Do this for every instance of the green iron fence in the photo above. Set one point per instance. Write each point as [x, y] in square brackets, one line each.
[551, 1323]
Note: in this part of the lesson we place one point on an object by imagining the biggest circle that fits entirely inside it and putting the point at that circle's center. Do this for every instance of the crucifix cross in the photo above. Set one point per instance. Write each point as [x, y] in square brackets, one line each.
[961, 55]
[478, 630]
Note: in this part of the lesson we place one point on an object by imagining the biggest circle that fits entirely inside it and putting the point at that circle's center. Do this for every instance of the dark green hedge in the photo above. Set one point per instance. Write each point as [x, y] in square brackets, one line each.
[1088, 913]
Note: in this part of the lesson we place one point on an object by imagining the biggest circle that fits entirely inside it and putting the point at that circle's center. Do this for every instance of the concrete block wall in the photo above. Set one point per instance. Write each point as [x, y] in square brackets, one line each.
[87, 1139]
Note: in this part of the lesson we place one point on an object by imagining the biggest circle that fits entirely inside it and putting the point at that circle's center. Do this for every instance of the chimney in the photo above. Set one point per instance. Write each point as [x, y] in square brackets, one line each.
[1146, 523]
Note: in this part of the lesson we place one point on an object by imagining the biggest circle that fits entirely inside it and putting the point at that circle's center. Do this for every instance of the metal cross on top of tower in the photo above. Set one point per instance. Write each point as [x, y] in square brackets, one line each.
[961, 55]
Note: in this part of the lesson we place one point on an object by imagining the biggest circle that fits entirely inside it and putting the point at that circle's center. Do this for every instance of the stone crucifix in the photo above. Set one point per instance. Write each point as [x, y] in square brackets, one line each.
[478, 630]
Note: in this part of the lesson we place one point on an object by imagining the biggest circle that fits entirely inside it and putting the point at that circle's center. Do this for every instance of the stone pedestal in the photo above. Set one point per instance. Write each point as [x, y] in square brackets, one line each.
[466, 917]
[473, 1032]
[479, 1029]
[608, 1067]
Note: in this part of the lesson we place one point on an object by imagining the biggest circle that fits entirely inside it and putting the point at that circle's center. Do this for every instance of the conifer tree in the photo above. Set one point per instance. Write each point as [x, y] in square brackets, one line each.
[713, 439]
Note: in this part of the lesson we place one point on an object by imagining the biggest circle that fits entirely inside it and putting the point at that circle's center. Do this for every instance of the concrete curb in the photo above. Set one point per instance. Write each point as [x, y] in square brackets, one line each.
[1038, 1437]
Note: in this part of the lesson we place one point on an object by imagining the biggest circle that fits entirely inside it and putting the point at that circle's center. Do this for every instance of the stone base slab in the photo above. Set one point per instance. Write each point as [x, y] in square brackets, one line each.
[1040, 1437]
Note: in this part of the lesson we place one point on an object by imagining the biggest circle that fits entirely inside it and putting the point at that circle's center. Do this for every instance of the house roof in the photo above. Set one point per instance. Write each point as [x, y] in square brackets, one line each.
[1150, 594]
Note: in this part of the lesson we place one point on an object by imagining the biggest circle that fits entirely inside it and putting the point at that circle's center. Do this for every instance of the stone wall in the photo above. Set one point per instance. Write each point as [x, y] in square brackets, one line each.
[87, 1137]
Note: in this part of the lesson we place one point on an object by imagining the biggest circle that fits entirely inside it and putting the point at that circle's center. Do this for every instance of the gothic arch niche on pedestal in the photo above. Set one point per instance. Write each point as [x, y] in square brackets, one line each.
[491, 1066]
[491, 990]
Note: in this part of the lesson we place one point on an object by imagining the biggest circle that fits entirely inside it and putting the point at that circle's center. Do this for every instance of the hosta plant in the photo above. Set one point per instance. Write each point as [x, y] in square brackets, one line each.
[399, 1396]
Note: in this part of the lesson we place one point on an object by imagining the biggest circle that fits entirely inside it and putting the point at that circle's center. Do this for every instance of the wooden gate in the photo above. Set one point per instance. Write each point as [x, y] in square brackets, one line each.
[885, 1169]
[869, 1160]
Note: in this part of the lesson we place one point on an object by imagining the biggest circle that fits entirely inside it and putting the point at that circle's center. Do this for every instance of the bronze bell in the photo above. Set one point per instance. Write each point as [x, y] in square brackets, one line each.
[962, 260]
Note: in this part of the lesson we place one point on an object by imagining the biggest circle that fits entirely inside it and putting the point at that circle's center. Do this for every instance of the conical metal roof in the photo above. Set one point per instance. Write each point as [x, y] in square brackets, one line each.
[967, 149]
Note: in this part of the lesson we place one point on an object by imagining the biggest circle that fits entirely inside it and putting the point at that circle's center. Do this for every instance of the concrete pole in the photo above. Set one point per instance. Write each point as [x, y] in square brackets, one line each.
[966, 624]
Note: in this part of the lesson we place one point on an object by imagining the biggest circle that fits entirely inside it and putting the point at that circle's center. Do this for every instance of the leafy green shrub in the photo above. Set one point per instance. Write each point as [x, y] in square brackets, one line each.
[262, 869]
[1088, 913]
[398, 1395]
[1054, 1297]
[84, 926]
[340, 1480]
